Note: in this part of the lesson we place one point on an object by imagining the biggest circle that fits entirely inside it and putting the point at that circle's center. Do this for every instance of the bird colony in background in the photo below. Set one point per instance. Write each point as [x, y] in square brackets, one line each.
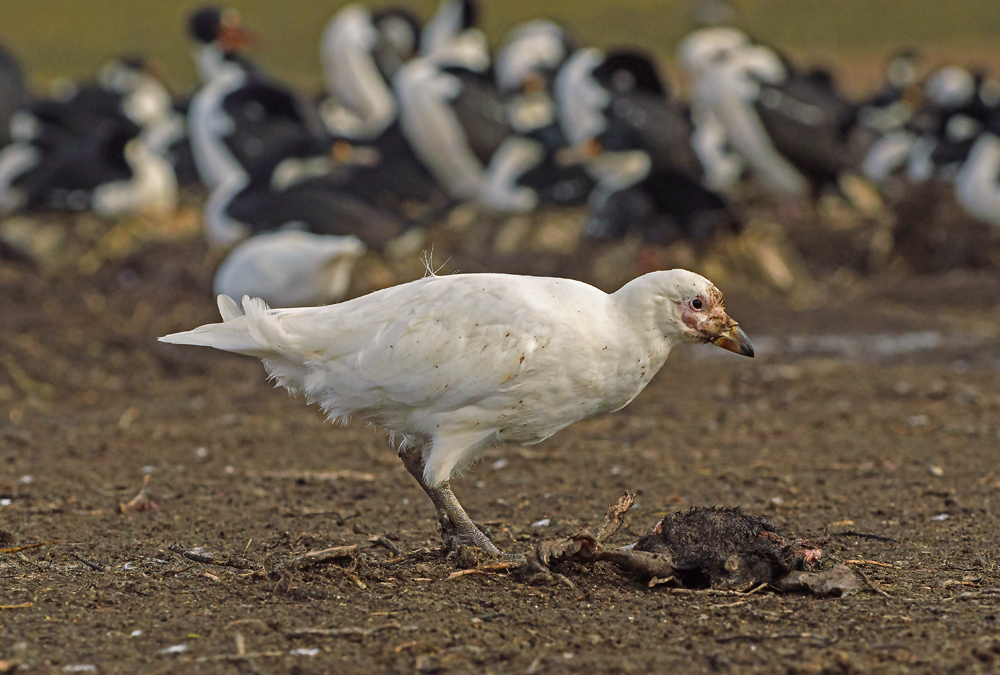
[418, 117]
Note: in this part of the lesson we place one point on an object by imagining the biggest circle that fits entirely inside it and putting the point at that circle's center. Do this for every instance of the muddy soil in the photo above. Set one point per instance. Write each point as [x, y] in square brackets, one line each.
[890, 443]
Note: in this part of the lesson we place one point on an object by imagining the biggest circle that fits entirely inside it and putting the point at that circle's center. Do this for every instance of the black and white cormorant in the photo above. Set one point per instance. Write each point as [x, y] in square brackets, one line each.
[450, 111]
[97, 146]
[299, 185]
[637, 142]
[525, 172]
[14, 92]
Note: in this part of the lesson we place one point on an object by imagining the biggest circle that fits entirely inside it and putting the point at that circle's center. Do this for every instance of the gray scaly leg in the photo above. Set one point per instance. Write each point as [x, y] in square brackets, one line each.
[450, 511]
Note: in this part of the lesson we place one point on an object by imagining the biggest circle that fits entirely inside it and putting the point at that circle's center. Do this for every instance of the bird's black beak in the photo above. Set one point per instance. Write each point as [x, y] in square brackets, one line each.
[735, 340]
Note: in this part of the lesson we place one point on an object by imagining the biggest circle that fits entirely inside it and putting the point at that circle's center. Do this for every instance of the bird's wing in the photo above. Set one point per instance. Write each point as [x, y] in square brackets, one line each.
[441, 342]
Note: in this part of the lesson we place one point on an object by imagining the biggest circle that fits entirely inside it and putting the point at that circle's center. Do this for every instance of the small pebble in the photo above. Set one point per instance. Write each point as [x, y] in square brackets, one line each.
[305, 651]
[544, 522]
[940, 516]
[935, 470]
[499, 464]
[135, 633]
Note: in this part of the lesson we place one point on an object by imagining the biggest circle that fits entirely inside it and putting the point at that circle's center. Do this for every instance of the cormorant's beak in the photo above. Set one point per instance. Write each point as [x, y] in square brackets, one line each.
[735, 340]
[233, 36]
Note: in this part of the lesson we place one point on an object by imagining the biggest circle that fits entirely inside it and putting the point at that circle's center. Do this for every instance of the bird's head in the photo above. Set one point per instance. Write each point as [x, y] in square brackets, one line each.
[691, 309]
[215, 25]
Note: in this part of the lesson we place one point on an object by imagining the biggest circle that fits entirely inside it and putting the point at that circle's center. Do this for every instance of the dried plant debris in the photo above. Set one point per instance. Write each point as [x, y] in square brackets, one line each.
[142, 500]
[702, 548]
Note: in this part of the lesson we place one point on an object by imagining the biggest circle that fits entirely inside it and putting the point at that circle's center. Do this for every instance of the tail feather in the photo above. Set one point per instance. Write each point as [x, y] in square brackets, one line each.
[236, 334]
[229, 308]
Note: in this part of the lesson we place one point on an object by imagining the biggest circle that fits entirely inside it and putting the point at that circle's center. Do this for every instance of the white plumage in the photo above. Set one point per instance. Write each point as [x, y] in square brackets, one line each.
[290, 268]
[977, 184]
[363, 105]
[456, 364]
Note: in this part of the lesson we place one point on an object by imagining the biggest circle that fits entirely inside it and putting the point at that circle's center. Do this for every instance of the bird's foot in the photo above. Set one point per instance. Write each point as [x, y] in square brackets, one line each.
[468, 557]
[475, 535]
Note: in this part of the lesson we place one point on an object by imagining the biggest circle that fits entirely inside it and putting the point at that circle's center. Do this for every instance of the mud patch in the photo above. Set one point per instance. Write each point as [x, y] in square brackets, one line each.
[895, 457]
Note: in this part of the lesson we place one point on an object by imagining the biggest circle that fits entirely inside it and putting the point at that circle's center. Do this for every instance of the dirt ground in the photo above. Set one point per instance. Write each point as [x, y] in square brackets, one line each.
[888, 440]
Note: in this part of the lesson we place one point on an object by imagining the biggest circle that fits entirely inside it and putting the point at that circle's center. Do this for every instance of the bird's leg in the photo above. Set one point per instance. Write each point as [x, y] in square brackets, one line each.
[450, 511]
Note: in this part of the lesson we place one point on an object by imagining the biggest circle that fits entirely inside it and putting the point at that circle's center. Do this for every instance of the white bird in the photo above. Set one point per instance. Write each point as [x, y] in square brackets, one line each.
[290, 268]
[977, 184]
[457, 364]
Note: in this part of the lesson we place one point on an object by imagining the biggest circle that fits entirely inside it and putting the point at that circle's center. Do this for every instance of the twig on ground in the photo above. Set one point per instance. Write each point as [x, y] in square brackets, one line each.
[18, 549]
[870, 584]
[209, 560]
[971, 595]
[462, 573]
[377, 540]
[353, 578]
[321, 557]
[709, 591]
[872, 562]
[97, 567]
[23, 605]
[141, 502]
[347, 631]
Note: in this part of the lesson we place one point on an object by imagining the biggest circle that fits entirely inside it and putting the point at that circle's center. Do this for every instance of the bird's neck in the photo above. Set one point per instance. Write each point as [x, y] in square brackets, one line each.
[653, 321]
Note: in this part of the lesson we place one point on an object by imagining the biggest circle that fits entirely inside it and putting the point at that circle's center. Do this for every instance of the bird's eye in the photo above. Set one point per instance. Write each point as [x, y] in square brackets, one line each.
[697, 303]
